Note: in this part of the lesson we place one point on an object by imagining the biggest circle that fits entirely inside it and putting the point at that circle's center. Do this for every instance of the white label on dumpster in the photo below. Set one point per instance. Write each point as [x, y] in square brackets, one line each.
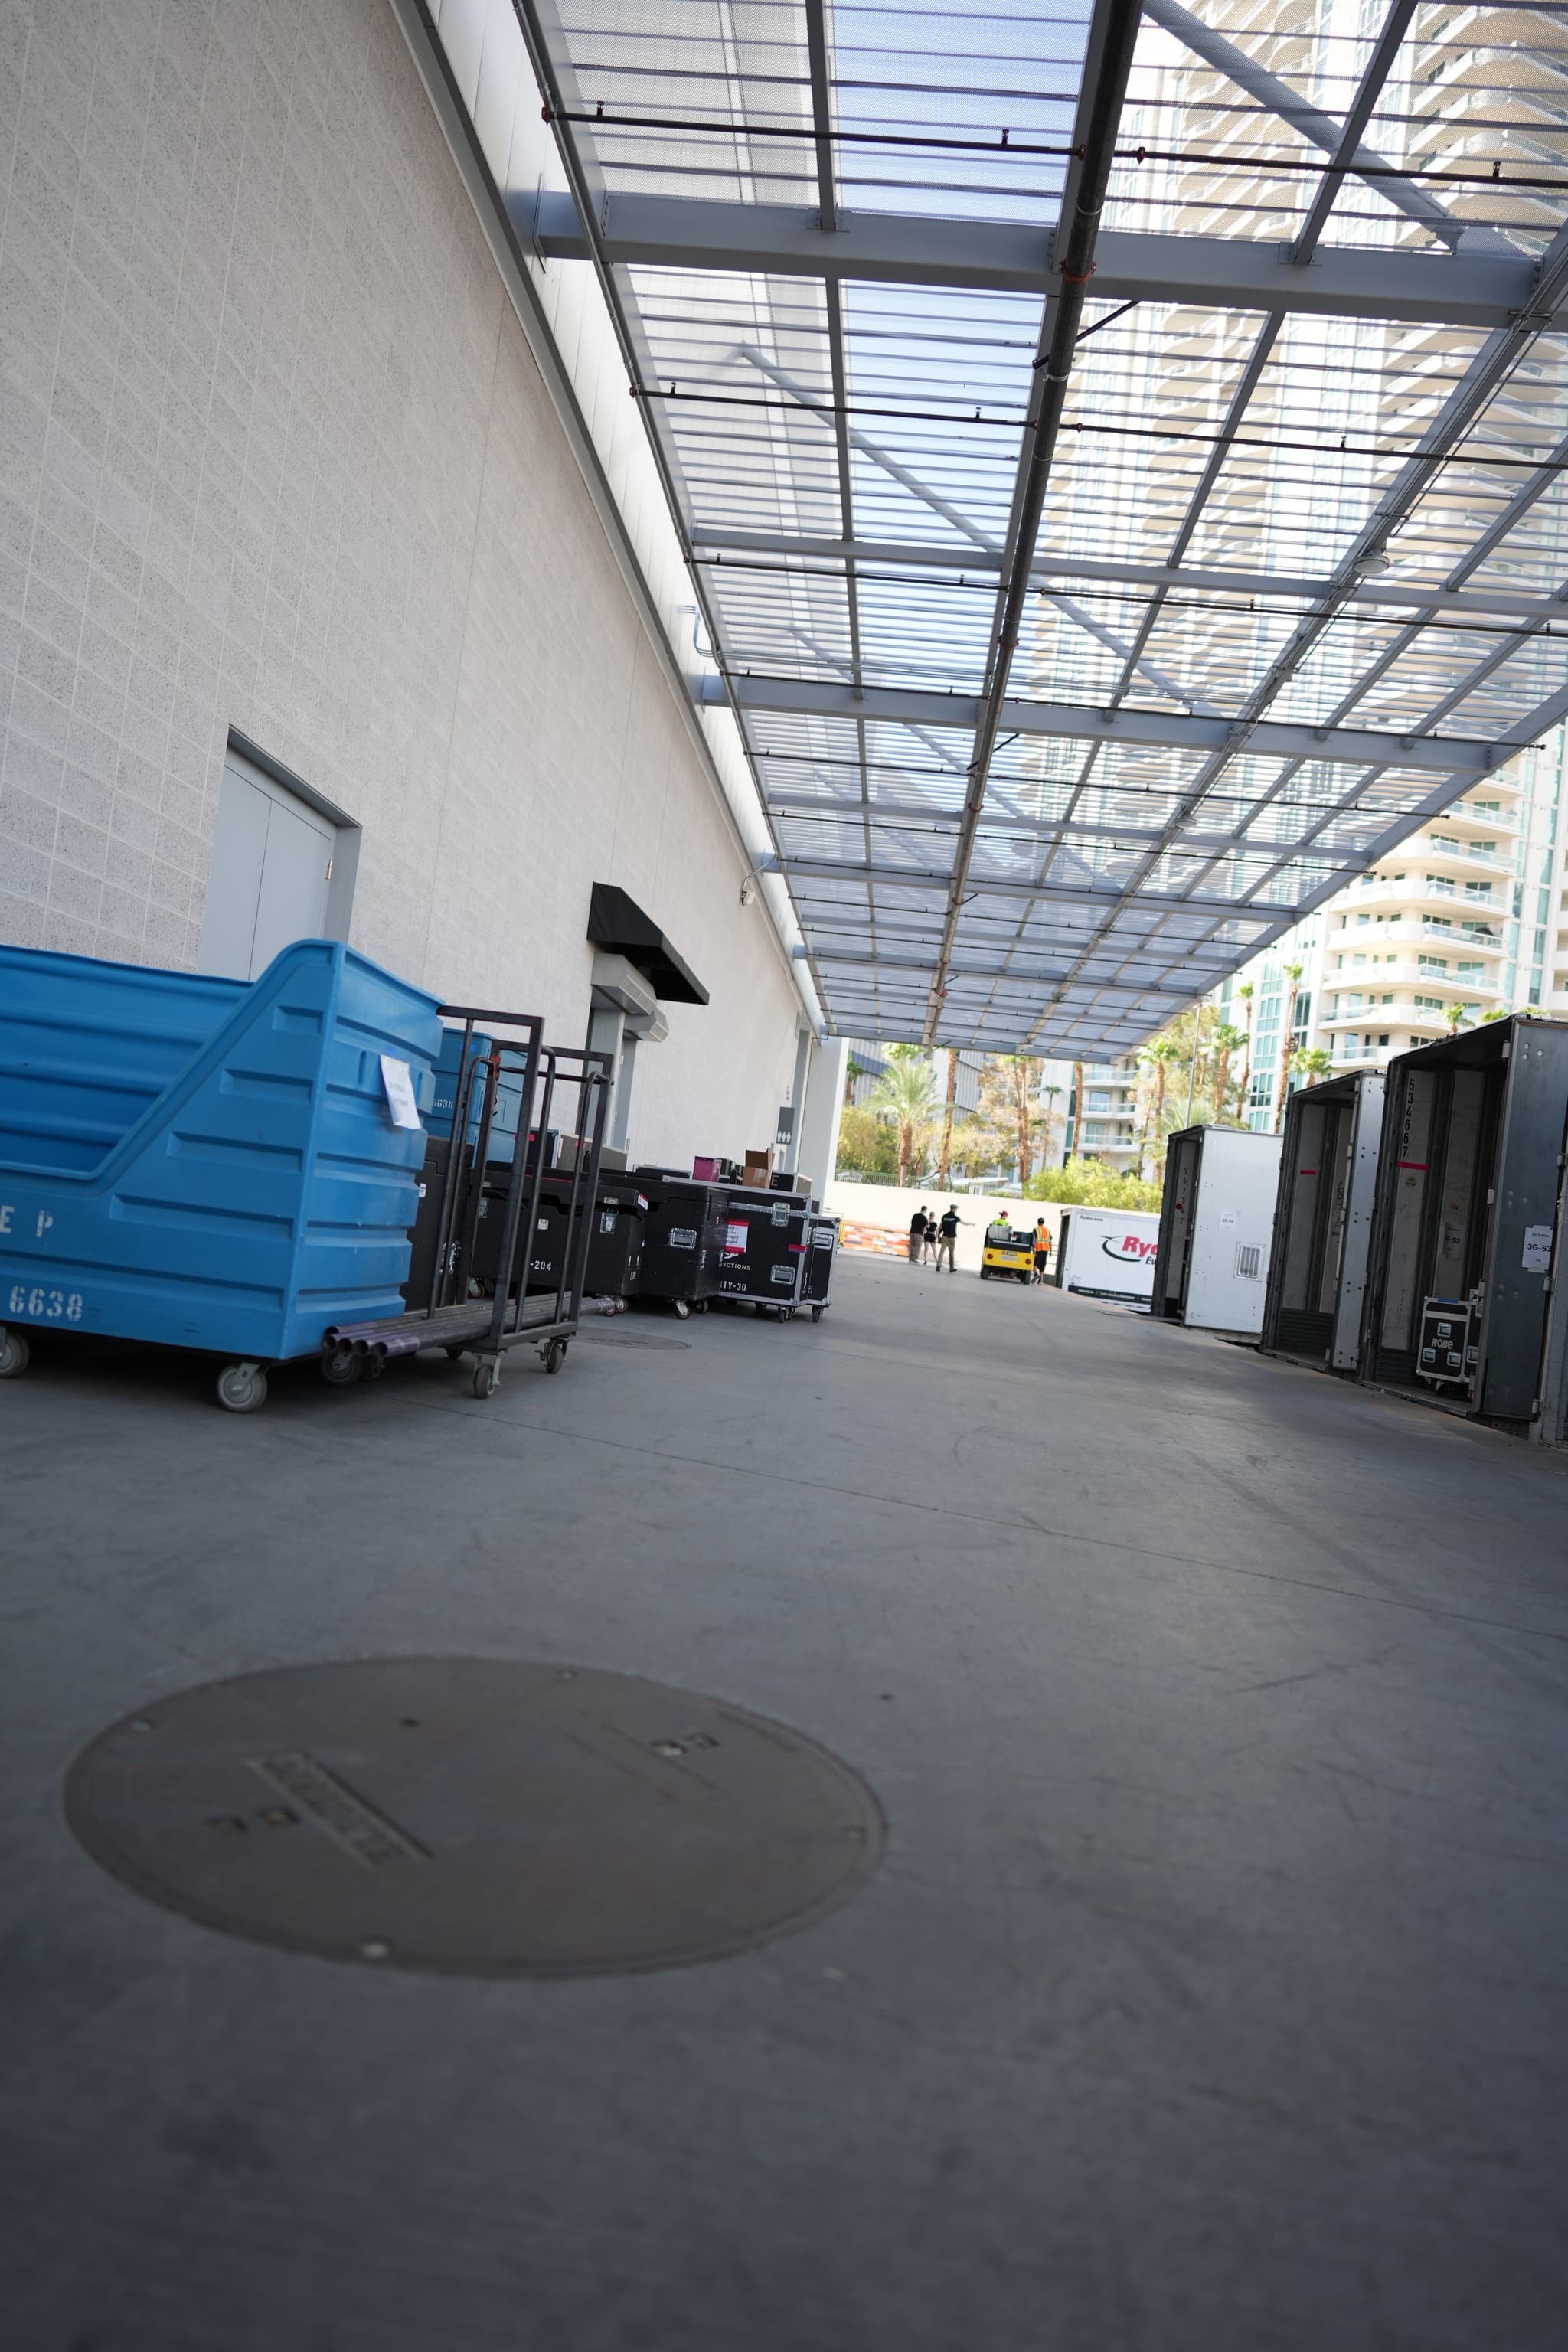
[735, 1237]
[398, 1080]
[1537, 1249]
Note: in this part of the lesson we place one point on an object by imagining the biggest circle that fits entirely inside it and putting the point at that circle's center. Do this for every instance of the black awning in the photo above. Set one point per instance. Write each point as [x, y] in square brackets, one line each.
[617, 924]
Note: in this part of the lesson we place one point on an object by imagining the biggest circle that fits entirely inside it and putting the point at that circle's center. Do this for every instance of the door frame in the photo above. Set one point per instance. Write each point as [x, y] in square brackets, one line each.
[350, 832]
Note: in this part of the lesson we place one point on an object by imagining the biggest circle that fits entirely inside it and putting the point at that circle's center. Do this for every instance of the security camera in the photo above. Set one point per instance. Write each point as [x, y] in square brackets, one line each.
[748, 891]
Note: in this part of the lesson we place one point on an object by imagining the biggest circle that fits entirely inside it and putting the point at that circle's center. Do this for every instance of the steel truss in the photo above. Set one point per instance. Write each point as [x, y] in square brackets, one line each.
[1096, 593]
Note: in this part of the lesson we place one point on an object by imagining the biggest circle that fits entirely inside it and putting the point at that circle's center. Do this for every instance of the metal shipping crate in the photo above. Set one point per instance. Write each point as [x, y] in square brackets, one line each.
[1322, 1220]
[1217, 1223]
[1468, 1205]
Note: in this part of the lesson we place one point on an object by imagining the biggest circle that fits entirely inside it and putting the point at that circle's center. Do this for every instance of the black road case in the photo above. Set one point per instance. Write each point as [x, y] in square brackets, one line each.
[818, 1265]
[764, 1243]
[683, 1240]
[617, 1226]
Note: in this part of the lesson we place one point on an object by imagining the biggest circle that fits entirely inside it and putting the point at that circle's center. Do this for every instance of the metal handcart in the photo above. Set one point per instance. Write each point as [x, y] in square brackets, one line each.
[457, 1315]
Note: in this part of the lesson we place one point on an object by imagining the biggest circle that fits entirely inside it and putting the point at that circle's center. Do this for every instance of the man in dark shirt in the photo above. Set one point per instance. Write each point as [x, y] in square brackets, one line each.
[947, 1234]
[917, 1225]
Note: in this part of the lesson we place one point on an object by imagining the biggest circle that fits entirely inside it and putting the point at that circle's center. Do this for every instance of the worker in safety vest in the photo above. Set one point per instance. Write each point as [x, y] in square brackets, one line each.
[1042, 1248]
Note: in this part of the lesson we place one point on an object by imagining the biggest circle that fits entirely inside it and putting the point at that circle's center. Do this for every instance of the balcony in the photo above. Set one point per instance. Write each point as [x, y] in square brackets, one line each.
[1409, 942]
[1414, 888]
[1460, 970]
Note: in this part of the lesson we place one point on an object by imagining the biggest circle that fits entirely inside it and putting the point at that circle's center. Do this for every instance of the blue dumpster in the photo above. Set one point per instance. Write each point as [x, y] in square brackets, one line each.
[443, 1088]
[207, 1163]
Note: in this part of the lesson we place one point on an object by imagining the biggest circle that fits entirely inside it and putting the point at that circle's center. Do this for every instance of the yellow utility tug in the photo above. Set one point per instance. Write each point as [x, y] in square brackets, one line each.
[1007, 1251]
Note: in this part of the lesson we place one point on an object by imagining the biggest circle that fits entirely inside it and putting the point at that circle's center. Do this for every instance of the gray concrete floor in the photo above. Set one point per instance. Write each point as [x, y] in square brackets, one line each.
[1212, 1993]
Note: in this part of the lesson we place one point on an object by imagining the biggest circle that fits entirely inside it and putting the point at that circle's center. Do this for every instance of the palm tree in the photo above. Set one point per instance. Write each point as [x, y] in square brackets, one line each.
[1051, 1094]
[1228, 1042]
[943, 1170]
[903, 1093]
[853, 1072]
[1158, 1057]
[1456, 1018]
[1312, 1063]
[1021, 1073]
[1245, 993]
[1075, 1108]
[1286, 1050]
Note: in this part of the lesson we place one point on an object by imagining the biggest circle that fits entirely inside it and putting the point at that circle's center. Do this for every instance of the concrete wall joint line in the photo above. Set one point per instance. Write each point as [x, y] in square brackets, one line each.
[458, 665]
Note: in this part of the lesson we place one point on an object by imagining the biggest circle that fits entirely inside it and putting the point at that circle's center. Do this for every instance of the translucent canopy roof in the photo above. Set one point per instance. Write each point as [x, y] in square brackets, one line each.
[1294, 580]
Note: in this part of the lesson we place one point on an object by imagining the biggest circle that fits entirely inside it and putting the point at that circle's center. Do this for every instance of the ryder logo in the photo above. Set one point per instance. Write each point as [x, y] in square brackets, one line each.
[1130, 1249]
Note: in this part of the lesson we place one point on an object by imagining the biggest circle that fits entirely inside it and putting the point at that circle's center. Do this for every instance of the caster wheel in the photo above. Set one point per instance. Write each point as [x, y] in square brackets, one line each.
[242, 1388]
[816, 1314]
[699, 1306]
[341, 1370]
[555, 1354]
[374, 1366]
[456, 1355]
[487, 1377]
[14, 1354]
[681, 1308]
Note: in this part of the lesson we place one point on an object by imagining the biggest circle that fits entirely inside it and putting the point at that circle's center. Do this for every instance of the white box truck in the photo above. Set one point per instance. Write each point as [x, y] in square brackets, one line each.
[1216, 1228]
[1108, 1253]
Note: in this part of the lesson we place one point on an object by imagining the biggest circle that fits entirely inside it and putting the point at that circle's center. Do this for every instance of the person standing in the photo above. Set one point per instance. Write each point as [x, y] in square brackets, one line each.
[930, 1240]
[947, 1234]
[920, 1227]
[1042, 1248]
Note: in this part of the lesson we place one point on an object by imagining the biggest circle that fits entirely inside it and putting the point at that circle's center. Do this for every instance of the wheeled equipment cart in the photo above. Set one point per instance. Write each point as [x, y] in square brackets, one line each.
[467, 1311]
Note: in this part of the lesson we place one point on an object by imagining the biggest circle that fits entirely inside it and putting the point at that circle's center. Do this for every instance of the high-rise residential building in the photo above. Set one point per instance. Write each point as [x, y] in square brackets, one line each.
[1464, 918]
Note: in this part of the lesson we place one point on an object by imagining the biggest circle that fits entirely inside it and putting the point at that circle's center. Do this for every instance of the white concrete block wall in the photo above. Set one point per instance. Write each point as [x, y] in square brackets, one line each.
[274, 455]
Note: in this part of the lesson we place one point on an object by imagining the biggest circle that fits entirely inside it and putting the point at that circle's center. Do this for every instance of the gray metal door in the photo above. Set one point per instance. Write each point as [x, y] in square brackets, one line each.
[272, 865]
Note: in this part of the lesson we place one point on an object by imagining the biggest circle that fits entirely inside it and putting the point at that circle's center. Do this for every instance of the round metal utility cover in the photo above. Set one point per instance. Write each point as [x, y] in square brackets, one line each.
[481, 1816]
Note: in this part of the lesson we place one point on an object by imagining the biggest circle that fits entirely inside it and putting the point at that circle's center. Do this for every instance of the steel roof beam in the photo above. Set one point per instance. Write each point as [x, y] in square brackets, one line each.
[1277, 96]
[985, 563]
[1210, 273]
[1023, 975]
[894, 814]
[1379, 66]
[1456, 755]
[1488, 371]
[1110, 901]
